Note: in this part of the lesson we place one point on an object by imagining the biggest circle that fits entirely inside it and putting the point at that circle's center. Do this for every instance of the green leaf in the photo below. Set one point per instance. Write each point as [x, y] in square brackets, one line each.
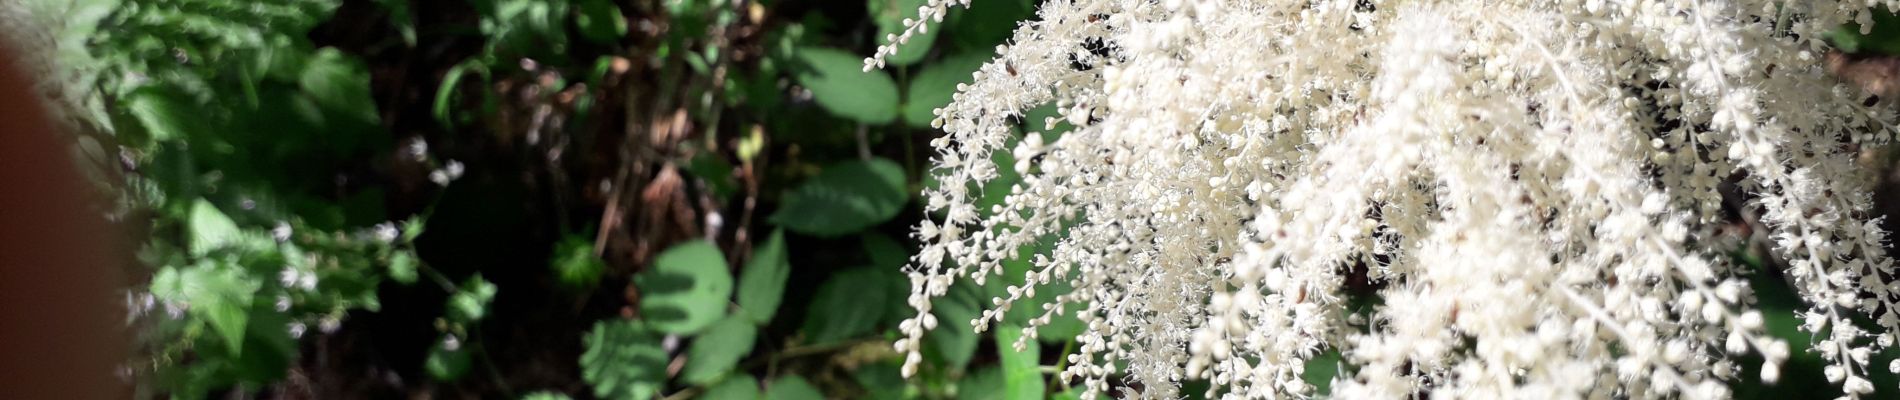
[1074, 393]
[600, 21]
[982, 28]
[792, 387]
[716, 171]
[883, 380]
[954, 341]
[470, 301]
[446, 364]
[845, 198]
[844, 308]
[546, 395]
[402, 267]
[738, 387]
[984, 384]
[339, 83]
[716, 351]
[210, 228]
[220, 294]
[1022, 375]
[762, 285]
[574, 262]
[838, 82]
[1320, 371]
[164, 114]
[890, 15]
[411, 229]
[687, 288]
[623, 360]
[884, 252]
[936, 85]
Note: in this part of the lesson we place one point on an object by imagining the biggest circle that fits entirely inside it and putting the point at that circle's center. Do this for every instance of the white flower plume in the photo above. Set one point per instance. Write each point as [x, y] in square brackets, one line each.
[1532, 188]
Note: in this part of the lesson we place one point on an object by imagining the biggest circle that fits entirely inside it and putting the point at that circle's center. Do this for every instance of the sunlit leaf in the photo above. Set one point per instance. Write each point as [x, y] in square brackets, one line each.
[210, 228]
[715, 352]
[933, 87]
[686, 290]
[623, 360]
[1022, 374]
[838, 82]
[762, 284]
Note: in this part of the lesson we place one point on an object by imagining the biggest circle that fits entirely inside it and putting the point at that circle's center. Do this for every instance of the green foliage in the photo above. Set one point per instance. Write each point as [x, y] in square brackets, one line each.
[840, 84]
[1022, 377]
[545, 396]
[210, 228]
[259, 148]
[849, 304]
[574, 263]
[889, 15]
[600, 21]
[718, 350]
[687, 289]
[845, 198]
[623, 360]
[936, 84]
[792, 387]
[743, 387]
[470, 301]
[762, 284]
[447, 364]
[1883, 37]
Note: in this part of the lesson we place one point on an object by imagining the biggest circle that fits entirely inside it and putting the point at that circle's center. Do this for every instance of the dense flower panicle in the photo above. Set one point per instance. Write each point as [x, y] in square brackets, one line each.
[1533, 188]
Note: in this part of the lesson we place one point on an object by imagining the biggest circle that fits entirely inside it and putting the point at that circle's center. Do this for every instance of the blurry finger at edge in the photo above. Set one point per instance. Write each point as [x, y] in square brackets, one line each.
[60, 327]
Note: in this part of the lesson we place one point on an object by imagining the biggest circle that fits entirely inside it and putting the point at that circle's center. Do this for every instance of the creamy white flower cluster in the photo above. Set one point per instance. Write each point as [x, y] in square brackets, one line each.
[1531, 188]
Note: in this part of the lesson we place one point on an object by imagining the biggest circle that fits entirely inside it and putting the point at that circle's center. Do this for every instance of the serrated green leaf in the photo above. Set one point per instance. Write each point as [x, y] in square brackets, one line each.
[686, 290]
[623, 360]
[574, 262]
[840, 84]
[762, 284]
[792, 387]
[600, 21]
[738, 387]
[445, 364]
[1022, 374]
[936, 85]
[716, 351]
[845, 198]
[402, 267]
[843, 308]
[210, 228]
